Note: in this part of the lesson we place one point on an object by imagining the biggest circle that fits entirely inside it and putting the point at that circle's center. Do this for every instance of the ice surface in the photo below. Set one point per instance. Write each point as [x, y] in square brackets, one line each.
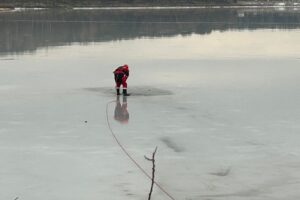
[225, 118]
[134, 91]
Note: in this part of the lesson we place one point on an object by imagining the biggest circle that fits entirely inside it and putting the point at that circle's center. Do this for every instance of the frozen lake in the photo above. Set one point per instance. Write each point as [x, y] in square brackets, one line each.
[217, 90]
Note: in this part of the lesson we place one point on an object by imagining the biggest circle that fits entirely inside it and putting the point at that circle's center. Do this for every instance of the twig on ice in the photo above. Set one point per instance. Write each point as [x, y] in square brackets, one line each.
[153, 171]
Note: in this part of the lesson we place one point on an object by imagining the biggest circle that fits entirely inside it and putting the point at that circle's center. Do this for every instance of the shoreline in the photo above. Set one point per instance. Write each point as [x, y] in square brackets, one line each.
[179, 7]
[151, 7]
[255, 5]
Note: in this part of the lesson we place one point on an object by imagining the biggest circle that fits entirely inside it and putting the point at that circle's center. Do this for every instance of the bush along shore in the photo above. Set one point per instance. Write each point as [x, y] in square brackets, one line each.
[11, 4]
[6, 7]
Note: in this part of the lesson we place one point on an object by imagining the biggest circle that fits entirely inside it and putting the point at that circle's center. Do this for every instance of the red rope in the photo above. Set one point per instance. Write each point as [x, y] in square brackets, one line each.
[129, 156]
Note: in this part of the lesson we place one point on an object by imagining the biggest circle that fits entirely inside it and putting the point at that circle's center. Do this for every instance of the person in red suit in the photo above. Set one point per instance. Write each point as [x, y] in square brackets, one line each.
[121, 74]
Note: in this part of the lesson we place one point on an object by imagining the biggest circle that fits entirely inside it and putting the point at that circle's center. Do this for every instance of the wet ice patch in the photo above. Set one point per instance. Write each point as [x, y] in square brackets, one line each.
[171, 144]
[221, 172]
[134, 91]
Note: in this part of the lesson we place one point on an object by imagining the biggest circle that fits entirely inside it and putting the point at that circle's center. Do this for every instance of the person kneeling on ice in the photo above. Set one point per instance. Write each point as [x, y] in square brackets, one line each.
[121, 75]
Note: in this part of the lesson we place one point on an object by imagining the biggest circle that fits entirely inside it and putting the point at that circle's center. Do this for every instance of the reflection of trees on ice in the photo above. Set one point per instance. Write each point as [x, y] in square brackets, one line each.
[46, 28]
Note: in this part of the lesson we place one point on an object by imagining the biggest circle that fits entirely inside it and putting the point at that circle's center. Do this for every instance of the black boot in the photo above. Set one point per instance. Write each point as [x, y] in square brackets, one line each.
[118, 91]
[125, 92]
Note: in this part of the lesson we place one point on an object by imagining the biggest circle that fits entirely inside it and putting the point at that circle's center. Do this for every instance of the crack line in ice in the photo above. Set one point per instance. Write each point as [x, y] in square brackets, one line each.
[129, 156]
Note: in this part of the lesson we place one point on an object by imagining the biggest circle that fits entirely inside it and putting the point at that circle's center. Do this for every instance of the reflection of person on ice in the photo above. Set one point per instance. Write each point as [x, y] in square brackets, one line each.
[121, 74]
[121, 112]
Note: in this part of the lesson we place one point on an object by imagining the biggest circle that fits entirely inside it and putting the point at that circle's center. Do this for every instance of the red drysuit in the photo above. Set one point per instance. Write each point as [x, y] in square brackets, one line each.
[121, 74]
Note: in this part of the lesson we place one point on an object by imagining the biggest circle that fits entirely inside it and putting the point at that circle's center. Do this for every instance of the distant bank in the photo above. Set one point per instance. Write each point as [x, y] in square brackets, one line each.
[11, 4]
